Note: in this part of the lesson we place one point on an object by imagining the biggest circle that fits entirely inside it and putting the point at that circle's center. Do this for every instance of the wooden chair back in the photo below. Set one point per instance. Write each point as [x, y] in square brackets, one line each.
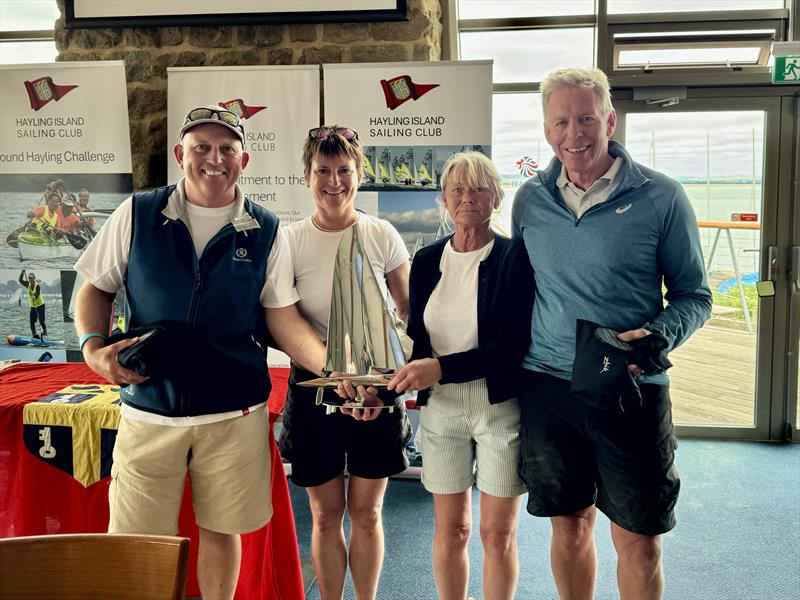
[93, 565]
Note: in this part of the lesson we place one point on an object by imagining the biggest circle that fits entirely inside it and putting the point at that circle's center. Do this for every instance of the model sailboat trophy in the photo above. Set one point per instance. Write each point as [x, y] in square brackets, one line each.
[363, 341]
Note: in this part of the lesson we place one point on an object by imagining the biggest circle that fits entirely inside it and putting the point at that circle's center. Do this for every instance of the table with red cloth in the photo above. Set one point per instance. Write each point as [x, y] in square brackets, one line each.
[36, 498]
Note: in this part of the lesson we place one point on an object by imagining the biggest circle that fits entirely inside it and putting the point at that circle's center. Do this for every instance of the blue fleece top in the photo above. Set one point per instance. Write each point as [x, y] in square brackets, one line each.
[609, 265]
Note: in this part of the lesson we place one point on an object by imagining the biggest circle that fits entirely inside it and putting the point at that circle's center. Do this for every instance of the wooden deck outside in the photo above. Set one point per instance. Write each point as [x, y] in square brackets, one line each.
[713, 378]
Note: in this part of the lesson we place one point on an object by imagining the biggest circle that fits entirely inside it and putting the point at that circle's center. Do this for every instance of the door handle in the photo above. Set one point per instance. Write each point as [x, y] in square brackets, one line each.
[795, 268]
[766, 287]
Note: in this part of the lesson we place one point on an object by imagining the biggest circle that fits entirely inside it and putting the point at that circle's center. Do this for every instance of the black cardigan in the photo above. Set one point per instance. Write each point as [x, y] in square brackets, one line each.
[505, 301]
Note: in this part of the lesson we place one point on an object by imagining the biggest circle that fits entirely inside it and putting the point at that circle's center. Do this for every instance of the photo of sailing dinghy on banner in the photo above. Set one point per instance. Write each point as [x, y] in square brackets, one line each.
[46, 221]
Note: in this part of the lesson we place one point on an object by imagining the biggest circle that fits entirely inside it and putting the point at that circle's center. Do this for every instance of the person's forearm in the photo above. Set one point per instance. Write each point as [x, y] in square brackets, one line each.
[293, 335]
[93, 315]
[93, 310]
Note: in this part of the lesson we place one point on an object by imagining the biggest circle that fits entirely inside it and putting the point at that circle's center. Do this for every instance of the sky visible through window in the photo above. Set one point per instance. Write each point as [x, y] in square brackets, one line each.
[489, 9]
[27, 15]
[525, 56]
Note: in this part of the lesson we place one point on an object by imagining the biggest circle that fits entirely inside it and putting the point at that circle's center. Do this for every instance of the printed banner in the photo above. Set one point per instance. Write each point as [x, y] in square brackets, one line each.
[65, 165]
[278, 106]
[411, 117]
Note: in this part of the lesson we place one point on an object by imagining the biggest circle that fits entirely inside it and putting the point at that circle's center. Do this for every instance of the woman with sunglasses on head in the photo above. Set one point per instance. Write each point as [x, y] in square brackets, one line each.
[469, 317]
[369, 442]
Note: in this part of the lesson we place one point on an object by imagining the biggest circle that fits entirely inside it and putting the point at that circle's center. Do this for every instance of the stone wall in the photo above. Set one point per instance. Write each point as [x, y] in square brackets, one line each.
[149, 51]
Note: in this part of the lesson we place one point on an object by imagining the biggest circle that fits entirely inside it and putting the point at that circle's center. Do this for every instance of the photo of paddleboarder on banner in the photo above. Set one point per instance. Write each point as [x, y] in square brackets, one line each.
[31, 309]
[47, 221]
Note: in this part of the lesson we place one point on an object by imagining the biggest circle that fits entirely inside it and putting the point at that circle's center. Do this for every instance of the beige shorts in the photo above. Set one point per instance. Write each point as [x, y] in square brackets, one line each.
[466, 440]
[228, 464]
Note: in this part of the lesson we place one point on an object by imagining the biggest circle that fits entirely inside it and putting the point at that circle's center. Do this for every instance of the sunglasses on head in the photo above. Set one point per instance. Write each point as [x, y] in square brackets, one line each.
[226, 116]
[320, 133]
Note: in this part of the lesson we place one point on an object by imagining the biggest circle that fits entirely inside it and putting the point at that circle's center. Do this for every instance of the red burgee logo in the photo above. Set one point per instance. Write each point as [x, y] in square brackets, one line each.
[240, 109]
[42, 90]
[400, 89]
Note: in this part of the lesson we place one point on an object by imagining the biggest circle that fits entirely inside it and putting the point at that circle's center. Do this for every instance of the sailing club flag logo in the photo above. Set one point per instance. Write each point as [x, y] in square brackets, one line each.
[527, 166]
[42, 90]
[400, 89]
[240, 109]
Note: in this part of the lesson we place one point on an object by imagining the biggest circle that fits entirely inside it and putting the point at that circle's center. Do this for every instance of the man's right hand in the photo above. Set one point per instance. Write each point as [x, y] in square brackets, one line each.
[103, 361]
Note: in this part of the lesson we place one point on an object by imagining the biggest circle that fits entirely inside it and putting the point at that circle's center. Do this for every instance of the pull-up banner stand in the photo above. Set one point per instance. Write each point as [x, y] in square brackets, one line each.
[411, 117]
[278, 105]
[63, 135]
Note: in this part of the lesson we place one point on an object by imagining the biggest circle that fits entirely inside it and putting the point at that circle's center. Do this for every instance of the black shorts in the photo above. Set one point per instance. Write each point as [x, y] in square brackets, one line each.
[575, 455]
[320, 446]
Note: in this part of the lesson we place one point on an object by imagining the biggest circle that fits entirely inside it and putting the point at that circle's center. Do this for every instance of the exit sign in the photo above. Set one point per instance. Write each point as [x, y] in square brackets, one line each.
[786, 70]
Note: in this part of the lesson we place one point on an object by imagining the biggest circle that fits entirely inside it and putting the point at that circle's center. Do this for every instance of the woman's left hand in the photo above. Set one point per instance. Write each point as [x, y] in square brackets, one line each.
[368, 395]
[416, 375]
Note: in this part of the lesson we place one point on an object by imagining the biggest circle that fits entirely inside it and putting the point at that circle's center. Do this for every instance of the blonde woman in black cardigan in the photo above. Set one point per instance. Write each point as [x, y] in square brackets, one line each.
[470, 308]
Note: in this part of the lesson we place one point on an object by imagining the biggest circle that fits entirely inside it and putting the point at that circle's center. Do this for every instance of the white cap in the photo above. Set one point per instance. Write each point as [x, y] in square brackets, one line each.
[214, 117]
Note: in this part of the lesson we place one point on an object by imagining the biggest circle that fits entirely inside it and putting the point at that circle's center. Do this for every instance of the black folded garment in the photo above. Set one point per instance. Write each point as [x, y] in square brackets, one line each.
[650, 354]
[163, 351]
[600, 375]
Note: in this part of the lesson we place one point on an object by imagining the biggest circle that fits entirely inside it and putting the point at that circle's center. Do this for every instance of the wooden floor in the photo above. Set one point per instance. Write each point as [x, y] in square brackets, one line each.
[713, 378]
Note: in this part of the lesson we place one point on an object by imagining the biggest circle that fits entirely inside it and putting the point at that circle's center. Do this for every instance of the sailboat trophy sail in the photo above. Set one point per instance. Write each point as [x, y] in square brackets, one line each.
[363, 341]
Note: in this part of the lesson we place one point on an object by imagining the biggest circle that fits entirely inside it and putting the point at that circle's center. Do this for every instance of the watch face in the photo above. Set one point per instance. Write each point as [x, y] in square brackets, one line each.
[400, 88]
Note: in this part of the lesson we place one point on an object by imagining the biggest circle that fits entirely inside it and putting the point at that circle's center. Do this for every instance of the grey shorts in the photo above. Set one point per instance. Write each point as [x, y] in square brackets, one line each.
[466, 440]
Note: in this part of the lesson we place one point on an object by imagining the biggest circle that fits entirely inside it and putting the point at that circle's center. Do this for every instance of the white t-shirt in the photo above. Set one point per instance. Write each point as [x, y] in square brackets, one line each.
[314, 254]
[451, 315]
[105, 262]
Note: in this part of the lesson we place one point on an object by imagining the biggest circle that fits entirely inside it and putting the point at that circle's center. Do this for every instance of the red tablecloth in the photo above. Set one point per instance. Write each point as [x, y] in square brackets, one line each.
[37, 498]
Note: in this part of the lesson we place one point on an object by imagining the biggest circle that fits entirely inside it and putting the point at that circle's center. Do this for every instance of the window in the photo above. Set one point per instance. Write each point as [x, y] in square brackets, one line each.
[529, 54]
[26, 31]
[526, 40]
[491, 9]
[518, 146]
[672, 6]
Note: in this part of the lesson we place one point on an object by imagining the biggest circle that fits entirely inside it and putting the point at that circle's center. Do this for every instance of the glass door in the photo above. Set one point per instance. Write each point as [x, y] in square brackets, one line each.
[724, 152]
[790, 114]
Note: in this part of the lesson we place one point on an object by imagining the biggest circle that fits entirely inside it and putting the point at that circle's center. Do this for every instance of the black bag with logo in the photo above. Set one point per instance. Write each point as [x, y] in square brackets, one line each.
[600, 375]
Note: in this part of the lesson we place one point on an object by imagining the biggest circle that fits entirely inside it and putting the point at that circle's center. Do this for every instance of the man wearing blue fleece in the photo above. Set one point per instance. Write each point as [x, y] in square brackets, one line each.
[603, 234]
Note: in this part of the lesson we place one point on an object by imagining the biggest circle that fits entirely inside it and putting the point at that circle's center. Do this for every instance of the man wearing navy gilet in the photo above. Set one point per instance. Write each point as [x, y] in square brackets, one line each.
[603, 235]
[200, 253]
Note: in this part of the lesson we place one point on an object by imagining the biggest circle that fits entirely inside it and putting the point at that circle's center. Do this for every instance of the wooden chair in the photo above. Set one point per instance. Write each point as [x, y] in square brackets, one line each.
[95, 566]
